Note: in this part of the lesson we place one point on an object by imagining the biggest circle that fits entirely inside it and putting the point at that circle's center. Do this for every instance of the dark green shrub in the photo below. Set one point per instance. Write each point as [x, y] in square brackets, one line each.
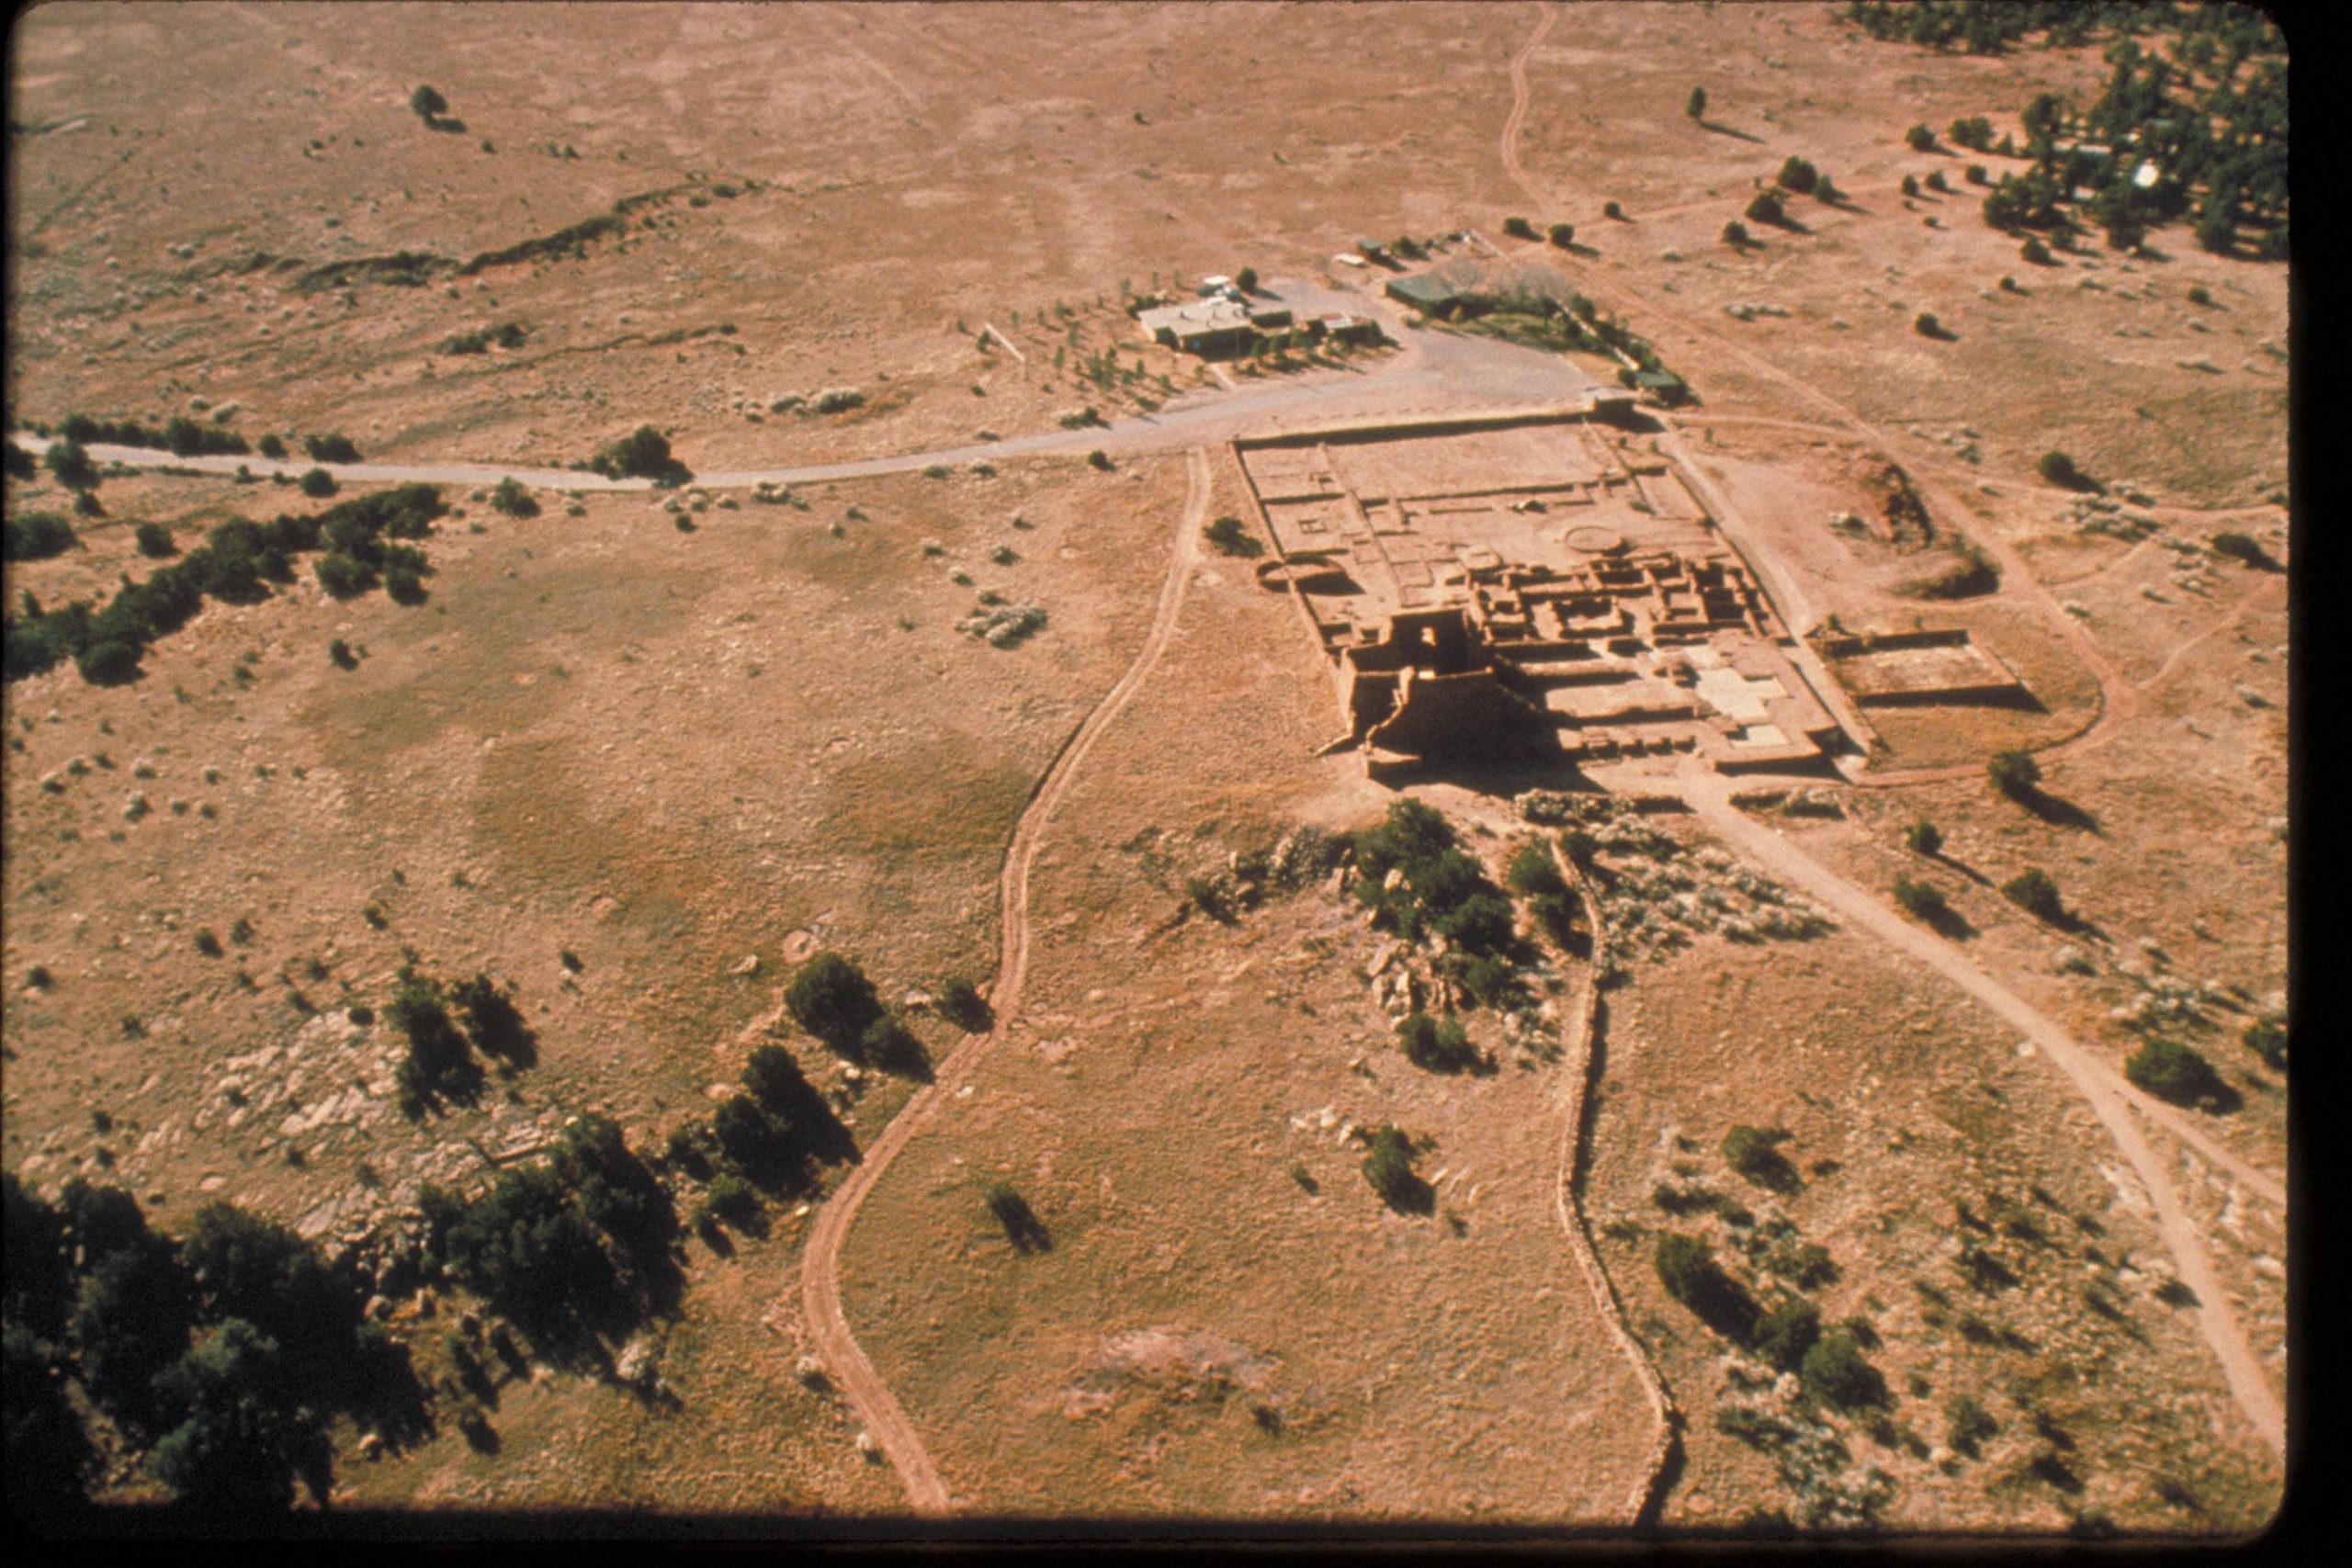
[2034, 892]
[1798, 175]
[644, 453]
[2173, 1072]
[1232, 537]
[494, 1022]
[513, 500]
[340, 652]
[1754, 1152]
[2035, 253]
[2242, 547]
[154, 541]
[1433, 1045]
[241, 1434]
[35, 536]
[2015, 773]
[525, 1247]
[1923, 837]
[735, 1201]
[1534, 870]
[70, 466]
[318, 483]
[1612, 209]
[272, 447]
[960, 1003]
[1926, 324]
[1695, 105]
[2267, 1040]
[1911, 185]
[343, 577]
[1921, 900]
[1388, 1169]
[1836, 1372]
[1247, 280]
[439, 1061]
[427, 105]
[757, 1144]
[247, 1266]
[1563, 234]
[1919, 139]
[833, 999]
[1765, 208]
[132, 1316]
[331, 449]
[403, 585]
[1518, 228]
[1687, 1267]
[1967, 1424]
[1099, 459]
[187, 437]
[1736, 234]
[1786, 1333]
[2059, 468]
[109, 662]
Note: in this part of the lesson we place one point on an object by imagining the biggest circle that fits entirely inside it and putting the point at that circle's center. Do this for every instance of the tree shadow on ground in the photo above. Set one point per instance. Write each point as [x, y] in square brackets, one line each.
[1412, 1195]
[896, 1051]
[1022, 1228]
[1721, 130]
[2056, 810]
[967, 1011]
[1948, 922]
[480, 1436]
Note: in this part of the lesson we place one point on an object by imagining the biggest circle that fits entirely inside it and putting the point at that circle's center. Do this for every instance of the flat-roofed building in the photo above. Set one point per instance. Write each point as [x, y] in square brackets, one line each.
[1206, 327]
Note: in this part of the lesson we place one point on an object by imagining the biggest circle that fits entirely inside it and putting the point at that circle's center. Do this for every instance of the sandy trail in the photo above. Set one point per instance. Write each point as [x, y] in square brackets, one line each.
[868, 1397]
[2113, 1101]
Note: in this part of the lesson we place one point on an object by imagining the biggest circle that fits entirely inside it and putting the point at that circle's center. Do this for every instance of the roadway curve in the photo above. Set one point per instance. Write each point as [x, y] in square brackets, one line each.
[2108, 1096]
[2112, 1101]
[868, 1397]
[2117, 697]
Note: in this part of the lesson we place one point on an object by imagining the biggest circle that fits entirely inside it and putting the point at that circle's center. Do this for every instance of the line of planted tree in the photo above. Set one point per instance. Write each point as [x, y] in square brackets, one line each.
[236, 564]
[219, 1356]
[185, 437]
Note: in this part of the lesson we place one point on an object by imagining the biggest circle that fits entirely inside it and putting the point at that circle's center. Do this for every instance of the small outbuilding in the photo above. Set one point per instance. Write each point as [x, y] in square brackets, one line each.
[1426, 293]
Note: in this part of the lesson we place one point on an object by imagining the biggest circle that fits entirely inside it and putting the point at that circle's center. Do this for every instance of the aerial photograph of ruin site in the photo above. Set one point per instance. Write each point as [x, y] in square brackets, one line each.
[1502, 769]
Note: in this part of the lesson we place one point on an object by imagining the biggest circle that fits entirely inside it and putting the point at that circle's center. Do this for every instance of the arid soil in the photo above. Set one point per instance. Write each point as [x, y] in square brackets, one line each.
[637, 741]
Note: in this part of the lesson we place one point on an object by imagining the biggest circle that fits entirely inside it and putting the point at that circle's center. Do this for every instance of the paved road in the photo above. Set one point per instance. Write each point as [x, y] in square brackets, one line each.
[845, 1361]
[1429, 373]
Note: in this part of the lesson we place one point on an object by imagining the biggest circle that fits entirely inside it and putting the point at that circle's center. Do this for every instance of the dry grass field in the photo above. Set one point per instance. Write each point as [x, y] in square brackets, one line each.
[638, 754]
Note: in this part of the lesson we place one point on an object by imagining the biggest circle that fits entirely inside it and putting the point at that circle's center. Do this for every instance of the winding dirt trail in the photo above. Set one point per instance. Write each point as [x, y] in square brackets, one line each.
[2113, 1101]
[868, 1397]
[2118, 696]
[1645, 1499]
[1519, 99]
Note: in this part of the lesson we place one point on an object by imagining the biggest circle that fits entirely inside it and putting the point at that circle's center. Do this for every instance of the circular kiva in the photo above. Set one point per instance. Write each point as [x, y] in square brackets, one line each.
[1595, 540]
[1309, 574]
